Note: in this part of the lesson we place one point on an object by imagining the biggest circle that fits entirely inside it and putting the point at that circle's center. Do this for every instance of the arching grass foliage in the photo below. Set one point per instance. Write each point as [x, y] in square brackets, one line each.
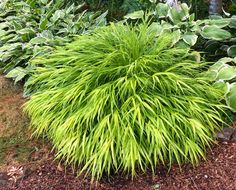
[121, 99]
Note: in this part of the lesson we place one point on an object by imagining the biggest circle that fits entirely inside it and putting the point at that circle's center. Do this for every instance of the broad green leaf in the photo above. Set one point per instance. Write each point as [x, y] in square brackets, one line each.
[215, 33]
[179, 14]
[27, 33]
[174, 16]
[211, 46]
[231, 97]
[17, 74]
[221, 23]
[191, 17]
[135, 15]
[38, 40]
[190, 38]
[43, 24]
[157, 28]
[221, 85]
[232, 51]
[211, 75]
[176, 36]
[57, 15]
[101, 20]
[44, 1]
[227, 73]
[162, 10]
[226, 59]
[217, 66]
[47, 34]
[3, 25]
[232, 23]
[184, 10]
[3, 33]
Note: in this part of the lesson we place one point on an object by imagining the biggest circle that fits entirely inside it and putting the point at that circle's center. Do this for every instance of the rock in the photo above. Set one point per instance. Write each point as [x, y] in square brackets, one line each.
[3, 179]
[234, 137]
[3, 182]
[60, 167]
[226, 134]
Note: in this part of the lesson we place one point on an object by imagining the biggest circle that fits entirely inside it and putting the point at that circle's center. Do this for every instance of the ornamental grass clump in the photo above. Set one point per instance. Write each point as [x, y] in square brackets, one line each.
[121, 100]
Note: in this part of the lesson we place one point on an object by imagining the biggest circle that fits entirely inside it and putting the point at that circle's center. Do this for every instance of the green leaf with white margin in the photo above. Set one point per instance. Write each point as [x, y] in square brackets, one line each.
[220, 23]
[211, 75]
[176, 36]
[44, 1]
[162, 10]
[231, 97]
[17, 74]
[232, 23]
[38, 40]
[157, 28]
[226, 59]
[227, 73]
[215, 33]
[190, 38]
[57, 15]
[135, 15]
[232, 51]
[224, 86]
[174, 15]
[217, 66]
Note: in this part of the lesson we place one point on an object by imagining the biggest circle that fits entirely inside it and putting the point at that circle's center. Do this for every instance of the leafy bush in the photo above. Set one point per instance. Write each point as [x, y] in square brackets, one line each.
[223, 73]
[215, 36]
[118, 8]
[122, 99]
[31, 28]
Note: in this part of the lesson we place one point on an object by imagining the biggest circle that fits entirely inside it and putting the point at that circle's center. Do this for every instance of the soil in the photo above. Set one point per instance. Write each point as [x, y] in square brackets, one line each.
[27, 164]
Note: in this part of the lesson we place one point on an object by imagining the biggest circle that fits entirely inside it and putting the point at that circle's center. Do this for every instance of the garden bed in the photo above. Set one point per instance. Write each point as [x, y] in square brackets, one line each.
[31, 165]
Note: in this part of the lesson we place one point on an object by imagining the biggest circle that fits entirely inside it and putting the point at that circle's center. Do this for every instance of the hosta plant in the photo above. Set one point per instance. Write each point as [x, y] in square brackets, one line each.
[223, 73]
[215, 35]
[31, 28]
[121, 99]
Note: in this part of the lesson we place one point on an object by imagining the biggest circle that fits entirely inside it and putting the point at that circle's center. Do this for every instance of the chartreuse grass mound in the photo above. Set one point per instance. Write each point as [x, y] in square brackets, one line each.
[121, 100]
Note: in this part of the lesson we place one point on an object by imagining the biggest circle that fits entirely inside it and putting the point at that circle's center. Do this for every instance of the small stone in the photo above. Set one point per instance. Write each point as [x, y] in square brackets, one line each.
[234, 138]
[226, 134]
[3, 179]
[156, 186]
[206, 176]
[3, 182]
[60, 167]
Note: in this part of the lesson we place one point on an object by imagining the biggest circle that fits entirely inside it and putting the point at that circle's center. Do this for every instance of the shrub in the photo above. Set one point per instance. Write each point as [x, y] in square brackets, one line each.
[31, 28]
[223, 74]
[215, 36]
[122, 99]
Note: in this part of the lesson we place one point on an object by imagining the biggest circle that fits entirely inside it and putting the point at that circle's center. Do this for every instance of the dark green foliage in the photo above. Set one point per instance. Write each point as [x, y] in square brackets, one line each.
[223, 73]
[31, 28]
[232, 9]
[215, 36]
[122, 99]
[198, 7]
[118, 8]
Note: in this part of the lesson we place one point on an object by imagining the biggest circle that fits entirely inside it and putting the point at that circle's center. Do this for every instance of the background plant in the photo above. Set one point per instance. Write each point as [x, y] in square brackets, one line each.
[31, 28]
[214, 36]
[122, 99]
[223, 73]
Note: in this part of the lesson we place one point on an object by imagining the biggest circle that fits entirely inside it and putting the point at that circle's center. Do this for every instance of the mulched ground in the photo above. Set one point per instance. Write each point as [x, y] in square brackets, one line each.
[41, 172]
[218, 172]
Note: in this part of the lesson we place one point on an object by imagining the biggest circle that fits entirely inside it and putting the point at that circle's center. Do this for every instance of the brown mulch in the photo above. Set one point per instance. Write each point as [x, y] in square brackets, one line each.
[218, 172]
[41, 172]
